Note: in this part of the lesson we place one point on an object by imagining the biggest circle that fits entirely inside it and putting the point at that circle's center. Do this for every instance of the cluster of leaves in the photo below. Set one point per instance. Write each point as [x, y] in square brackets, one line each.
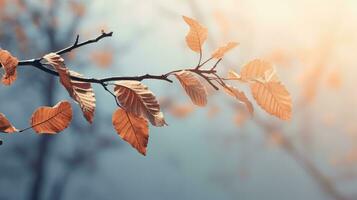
[137, 105]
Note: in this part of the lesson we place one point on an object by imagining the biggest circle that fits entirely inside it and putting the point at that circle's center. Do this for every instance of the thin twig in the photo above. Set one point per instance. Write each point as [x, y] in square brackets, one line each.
[219, 80]
[77, 44]
[215, 65]
[209, 59]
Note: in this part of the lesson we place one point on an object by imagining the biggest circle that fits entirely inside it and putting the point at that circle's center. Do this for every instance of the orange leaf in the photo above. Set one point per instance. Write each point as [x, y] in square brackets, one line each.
[5, 125]
[258, 70]
[219, 53]
[193, 87]
[240, 96]
[136, 98]
[267, 90]
[196, 36]
[81, 92]
[273, 98]
[132, 128]
[52, 120]
[9, 63]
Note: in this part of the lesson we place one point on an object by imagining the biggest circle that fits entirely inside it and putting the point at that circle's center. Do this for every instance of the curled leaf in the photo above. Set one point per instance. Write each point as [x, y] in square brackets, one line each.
[132, 128]
[240, 96]
[193, 87]
[219, 53]
[9, 63]
[81, 92]
[273, 98]
[5, 125]
[258, 70]
[136, 98]
[52, 120]
[196, 36]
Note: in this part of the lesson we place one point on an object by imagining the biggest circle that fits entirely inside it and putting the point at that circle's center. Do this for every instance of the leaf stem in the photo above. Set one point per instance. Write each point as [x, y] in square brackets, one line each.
[110, 92]
[199, 60]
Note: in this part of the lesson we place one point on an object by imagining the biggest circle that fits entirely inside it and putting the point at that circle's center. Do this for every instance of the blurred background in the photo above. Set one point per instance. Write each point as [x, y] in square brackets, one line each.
[217, 152]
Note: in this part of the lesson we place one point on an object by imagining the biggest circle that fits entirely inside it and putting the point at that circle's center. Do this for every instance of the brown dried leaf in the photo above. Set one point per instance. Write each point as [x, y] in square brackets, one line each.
[193, 87]
[258, 70]
[273, 98]
[219, 53]
[240, 96]
[52, 120]
[136, 98]
[5, 125]
[9, 63]
[196, 36]
[81, 92]
[132, 128]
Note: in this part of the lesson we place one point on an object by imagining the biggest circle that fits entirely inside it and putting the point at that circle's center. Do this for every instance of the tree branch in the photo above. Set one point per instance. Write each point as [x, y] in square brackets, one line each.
[37, 64]
[68, 49]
